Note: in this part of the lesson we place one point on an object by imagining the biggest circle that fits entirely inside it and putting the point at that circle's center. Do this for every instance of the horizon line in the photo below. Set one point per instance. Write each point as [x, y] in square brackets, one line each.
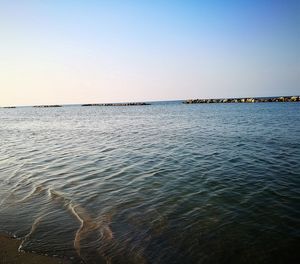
[147, 101]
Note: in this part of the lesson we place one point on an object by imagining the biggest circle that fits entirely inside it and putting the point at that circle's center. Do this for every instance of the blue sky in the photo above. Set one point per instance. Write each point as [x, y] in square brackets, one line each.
[56, 51]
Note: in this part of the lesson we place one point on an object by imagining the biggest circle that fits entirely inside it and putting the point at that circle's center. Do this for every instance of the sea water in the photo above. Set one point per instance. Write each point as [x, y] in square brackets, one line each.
[162, 183]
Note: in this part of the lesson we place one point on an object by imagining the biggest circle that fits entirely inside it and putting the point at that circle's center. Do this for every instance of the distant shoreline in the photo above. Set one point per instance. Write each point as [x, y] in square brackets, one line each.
[189, 101]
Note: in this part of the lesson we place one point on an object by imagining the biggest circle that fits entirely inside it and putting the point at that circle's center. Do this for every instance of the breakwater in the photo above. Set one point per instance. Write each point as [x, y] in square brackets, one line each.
[117, 104]
[107, 104]
[244, 100]
[45, 106]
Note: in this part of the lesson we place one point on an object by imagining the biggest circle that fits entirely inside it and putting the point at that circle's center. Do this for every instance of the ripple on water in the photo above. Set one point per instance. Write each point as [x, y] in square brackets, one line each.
[163, 184]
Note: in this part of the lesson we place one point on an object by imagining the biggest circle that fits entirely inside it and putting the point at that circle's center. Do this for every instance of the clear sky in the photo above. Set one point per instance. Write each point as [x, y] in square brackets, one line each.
[59, 51]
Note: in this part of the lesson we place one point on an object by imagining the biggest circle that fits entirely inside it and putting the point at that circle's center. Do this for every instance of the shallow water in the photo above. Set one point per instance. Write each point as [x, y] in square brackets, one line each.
[166, 183]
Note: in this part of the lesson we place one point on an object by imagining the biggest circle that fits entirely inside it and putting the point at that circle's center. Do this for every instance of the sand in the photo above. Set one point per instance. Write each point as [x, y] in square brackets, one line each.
[9, 254]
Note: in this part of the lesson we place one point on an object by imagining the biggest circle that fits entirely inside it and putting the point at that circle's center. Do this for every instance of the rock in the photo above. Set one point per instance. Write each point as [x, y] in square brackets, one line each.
[244, 100]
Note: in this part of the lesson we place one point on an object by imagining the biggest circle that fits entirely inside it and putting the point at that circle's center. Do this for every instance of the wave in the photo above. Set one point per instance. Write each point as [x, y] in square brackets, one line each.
[89, 227]
[91, 230]
[32, 230]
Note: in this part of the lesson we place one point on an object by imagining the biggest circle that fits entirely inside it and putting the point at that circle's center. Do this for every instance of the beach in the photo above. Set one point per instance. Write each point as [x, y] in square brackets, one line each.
[9, 254]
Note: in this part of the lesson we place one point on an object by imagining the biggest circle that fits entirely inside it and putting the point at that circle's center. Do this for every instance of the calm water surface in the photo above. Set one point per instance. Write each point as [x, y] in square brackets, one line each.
[166, 183]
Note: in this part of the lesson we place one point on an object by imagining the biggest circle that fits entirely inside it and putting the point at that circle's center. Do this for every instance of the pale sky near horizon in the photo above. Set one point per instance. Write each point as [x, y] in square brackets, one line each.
[67, 52]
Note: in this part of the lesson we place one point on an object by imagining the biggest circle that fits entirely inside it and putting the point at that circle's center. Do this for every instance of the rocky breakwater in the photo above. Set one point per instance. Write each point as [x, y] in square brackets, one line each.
[245, 100]
[45, 106]
[117, 104]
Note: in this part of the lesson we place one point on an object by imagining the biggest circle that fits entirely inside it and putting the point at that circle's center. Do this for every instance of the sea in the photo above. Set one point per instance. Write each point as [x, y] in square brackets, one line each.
[160, 183]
